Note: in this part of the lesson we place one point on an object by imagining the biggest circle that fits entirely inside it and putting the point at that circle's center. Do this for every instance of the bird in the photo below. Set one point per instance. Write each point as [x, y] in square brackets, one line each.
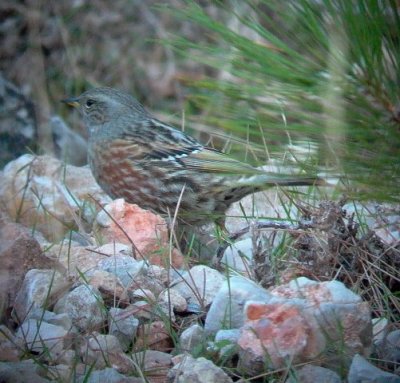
[135, 156]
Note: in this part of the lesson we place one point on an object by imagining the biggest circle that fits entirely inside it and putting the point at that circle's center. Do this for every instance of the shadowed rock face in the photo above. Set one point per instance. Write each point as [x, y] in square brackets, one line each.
[18, 129]
[19, 252]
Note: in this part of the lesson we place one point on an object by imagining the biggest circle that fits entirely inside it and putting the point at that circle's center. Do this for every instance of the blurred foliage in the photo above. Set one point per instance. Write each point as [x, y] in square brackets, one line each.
[54, 49]
[325, 72]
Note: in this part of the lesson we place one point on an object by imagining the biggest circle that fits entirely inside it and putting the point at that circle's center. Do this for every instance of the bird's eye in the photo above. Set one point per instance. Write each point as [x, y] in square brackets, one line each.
[89, 103]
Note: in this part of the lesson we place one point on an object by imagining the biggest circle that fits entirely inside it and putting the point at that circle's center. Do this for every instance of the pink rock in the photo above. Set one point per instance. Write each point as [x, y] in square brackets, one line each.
[146, 230]
[277, 330]
[299, 324]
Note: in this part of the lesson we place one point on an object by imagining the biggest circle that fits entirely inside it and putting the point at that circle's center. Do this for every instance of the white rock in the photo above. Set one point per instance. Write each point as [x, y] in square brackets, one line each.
[108, 375]
[379, 329]
[84, 305]
[123, 325]
[37, 287]
[227, 336]
[239, 256]
[24, 371]
[62, 320]
[314, 374]
[191, 338]
[199, 370]
[389, 348]
[114, 249]
[159, 273]
[177, 301]
[123, 266]
[143, 294]
[41, 337]
[226, 311]
[199, 285]
[99, 348]
[361, 371]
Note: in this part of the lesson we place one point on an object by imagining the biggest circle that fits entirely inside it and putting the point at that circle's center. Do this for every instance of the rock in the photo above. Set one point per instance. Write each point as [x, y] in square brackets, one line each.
[148, 231]
[164, 312]
[192, 338]
[143, 294]
[62, 320]
[144, 311]
[299, 323]
[239, 257]
[389, 348]
[199, 370]
[314, 374]
[37, 290]
[154, 364]
[141, 310]
[59, 372]
[143, 281]
[124, 267]
[101, 351]
[77, 260]
[199, 285]
[154, 336]
[99, 348]
[226, 342]
[123, 325]
[109, 286]
[176, 300]
[226, 311]
[393, 346]
[41, 337]
[8, 347]
[69, 358]
[84, 305]
[159, 273]
[379, 329]
[44, 193]
[19, 252]
[279, 331]
[114, 249]
[108, 375]
[24, 371]
[18, 128]
[362, 371]
[69, 146]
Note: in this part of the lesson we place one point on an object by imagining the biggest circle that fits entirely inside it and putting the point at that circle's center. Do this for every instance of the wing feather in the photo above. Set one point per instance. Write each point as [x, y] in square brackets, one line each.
[213, 161]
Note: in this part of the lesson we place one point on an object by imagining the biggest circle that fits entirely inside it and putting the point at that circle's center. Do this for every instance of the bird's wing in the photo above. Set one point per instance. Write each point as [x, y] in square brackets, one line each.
[198, 158]
[172, 147]
[212, 161]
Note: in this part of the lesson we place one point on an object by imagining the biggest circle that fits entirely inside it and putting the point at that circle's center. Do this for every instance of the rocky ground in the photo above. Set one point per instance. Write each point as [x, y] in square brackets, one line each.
[96, 290]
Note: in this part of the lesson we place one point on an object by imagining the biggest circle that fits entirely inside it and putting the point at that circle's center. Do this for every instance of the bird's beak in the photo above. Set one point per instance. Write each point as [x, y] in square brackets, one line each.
[72, 101]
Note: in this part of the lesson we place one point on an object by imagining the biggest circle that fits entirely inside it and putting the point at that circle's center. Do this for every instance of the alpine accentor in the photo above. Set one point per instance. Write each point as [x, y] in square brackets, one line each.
[145, 161]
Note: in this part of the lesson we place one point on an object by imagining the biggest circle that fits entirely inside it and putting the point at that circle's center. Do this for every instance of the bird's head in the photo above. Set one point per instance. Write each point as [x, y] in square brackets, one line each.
[101, 105]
